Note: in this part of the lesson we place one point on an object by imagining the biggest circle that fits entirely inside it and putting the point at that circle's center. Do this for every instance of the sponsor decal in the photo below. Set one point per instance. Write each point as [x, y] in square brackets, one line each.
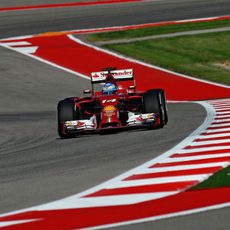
[110, 100]
[118, 74]
[109, 110]
[74, 123]
[95, 76]
[80, 124]
[68, 123]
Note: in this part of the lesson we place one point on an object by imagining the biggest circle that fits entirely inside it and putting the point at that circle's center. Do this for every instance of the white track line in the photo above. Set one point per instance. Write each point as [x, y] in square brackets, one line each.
[27, 50]
[181, 167]
[223, 120]
[225, 141]
[103, 201]
[16, 222]
[157, 181]
[224, 112]
[200, 157]
[217, 130]
[202, 150]
[203, 137]
[20, 43]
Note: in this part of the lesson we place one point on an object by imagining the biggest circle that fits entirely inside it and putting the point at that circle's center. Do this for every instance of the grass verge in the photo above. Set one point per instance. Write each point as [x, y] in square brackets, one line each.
[156, 30]
[205, 56]
[220, 179]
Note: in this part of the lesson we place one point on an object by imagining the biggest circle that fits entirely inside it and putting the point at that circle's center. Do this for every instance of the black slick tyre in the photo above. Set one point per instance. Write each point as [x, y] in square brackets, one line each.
[152, 104]
[163, 103]
[66, 112]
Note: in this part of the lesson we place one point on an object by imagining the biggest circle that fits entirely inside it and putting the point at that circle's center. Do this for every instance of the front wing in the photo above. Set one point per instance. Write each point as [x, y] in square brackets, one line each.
[90, 125]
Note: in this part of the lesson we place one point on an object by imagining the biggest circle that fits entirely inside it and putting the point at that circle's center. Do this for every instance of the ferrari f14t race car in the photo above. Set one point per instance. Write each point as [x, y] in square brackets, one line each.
[117, 105]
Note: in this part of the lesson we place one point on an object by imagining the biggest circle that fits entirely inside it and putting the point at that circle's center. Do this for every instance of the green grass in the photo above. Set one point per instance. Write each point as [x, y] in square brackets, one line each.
[220, 179]
[205, 56]
[156, 30]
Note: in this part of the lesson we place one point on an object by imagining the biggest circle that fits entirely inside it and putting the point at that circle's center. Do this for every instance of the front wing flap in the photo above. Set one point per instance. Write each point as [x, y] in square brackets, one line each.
[141, 119]
[134, 120]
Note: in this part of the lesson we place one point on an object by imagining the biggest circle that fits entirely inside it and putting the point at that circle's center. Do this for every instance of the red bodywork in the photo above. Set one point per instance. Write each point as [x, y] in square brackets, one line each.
[105, 111]
[107, 108]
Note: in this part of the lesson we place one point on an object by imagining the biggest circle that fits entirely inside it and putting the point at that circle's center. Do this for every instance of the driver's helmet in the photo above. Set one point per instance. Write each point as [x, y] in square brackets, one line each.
[109, 88]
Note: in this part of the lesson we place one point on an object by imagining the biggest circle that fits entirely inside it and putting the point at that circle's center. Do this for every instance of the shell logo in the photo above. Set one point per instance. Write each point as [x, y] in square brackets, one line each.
[96, 76]
[109, 110]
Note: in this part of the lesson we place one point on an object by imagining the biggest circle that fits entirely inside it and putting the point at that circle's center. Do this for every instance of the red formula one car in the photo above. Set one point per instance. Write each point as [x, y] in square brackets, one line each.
[115, 106]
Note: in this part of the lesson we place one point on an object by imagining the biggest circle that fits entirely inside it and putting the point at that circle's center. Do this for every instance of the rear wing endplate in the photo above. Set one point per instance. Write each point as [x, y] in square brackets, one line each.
[119, 75]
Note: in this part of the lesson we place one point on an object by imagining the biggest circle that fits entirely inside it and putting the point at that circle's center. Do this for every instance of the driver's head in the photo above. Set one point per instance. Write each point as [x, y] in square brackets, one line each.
[109, 88]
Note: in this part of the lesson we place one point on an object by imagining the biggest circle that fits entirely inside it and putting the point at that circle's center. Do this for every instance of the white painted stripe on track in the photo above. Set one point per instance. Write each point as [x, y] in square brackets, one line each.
[15, 222]
[103, 201]
[27, 50]
[217, 130]
[157, 181]
[223, 120]
[5, 40]
[196, 20]
[224, 112]
[220, 102]
[227, 106]
[222, 105]
[225, 141]
[214, 136]
[219, 125]
[202, 150]
[19, 43]
[222, 117]
[201, 157]
[181, 167]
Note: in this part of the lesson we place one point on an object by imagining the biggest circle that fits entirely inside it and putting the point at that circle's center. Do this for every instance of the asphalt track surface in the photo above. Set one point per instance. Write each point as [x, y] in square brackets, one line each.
[37, 167]
[36, 21]
[13, 3]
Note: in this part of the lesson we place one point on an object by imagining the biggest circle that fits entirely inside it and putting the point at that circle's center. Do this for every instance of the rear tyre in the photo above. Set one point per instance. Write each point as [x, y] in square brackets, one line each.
[66, 112]
[152, 103]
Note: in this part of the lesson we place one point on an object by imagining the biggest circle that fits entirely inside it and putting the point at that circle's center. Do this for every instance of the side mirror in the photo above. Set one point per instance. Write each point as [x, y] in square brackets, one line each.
[132, 87]
[131, 90]
[87, 91]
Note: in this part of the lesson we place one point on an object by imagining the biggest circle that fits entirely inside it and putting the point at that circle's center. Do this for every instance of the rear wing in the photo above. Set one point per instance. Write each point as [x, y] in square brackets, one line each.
[119, 75]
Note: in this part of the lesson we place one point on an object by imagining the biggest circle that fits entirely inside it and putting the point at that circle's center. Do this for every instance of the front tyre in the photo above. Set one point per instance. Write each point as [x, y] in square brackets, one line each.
[163, 103]
[65, 112]
[152, 103]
